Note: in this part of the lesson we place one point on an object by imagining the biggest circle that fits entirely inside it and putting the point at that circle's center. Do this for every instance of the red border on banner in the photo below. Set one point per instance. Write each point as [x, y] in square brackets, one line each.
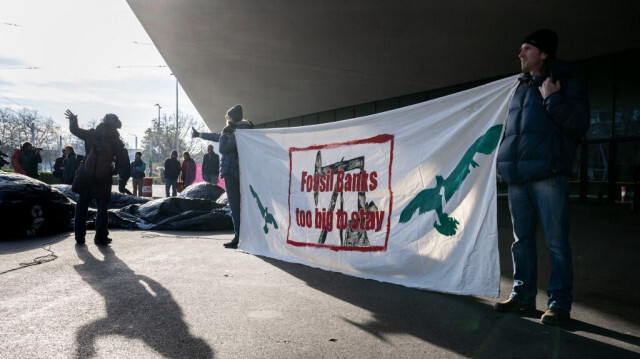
[375, 139]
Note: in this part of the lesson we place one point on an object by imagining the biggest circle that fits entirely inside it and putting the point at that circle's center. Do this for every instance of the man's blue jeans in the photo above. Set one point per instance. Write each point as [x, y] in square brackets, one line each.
[210, 178]
[232, 184]
[173, 183]
[548, 201]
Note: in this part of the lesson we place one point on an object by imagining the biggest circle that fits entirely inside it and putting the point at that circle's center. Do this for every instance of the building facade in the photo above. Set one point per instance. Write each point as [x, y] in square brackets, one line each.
[609, 153]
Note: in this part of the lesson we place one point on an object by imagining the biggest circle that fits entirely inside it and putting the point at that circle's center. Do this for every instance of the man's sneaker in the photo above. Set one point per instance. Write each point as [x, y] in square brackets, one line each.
[80, 240]
[102, 241]
[511, 305]
[555, 316]
[233, 244]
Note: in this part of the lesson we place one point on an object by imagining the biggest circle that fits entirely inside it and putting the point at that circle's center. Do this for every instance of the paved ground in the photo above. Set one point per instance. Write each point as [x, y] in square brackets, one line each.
[182, 295]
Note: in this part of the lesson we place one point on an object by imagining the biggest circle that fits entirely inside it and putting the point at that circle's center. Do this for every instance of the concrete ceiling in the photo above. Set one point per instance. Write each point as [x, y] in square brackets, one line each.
[286, 58]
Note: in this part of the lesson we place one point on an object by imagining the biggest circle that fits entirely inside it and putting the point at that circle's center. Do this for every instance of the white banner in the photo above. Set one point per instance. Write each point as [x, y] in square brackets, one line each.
[406, 196]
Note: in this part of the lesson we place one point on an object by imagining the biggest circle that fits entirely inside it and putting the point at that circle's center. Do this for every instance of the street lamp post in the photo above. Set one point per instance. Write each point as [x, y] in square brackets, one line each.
[151, 147]
[177, 123]
[177, 144]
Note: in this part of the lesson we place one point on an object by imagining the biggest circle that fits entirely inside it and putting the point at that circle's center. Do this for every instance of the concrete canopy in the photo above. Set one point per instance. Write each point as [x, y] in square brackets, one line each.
[287, 58]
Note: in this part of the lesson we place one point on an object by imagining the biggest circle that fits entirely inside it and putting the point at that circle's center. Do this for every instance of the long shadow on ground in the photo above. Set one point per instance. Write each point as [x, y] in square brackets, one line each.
[137, 307]
[472, 328]
[460, 324]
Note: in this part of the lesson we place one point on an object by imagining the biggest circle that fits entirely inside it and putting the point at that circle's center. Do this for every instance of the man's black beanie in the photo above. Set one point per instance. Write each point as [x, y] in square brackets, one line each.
[544, 39]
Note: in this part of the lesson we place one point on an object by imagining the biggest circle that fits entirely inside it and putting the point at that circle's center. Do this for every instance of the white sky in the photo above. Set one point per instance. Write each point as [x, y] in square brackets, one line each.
[92, 57]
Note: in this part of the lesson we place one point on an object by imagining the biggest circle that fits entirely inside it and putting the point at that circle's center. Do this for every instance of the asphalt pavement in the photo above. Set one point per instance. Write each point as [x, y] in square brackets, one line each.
[182, 295]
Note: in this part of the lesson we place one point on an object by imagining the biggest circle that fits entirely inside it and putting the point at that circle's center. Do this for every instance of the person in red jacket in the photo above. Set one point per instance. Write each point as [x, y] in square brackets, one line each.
[188, 169]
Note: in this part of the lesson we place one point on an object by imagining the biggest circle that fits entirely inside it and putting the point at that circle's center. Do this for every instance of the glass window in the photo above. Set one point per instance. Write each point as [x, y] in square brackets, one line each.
[600, 87]
[627, 115]
[575, 171]
[598, 162]
[364, 109]
[628, 156]
[412, 99]
[344, 113]
[295, 122]
[326, 117]
[387, 105]
[597, 170]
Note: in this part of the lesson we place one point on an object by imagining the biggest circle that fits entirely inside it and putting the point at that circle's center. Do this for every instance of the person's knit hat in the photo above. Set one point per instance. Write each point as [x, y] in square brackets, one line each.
[235, 113]
[544, 39]
[113, 120]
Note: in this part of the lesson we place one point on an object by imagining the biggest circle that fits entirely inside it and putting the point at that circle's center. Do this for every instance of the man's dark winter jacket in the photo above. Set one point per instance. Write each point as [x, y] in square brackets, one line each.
[211, 164]
[172, 168]
[71, 164]
[101, 187]
[541, 137]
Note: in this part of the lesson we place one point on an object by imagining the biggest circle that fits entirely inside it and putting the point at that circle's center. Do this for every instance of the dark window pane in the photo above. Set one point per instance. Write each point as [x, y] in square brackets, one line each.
[600, 87]
[627, 95]
[295, 122]
[327, 116]
[628, 156]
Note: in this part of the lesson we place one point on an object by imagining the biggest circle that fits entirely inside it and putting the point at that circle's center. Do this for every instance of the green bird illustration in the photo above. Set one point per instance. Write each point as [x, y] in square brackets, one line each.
[264, 211]
[430, 199]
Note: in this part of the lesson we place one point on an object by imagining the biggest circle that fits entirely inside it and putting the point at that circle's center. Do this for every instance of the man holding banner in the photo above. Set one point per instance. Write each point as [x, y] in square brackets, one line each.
[548, 115]
[229, 165]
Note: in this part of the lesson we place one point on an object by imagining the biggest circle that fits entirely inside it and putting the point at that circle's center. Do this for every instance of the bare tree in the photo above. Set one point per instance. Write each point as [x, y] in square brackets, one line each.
[17, 127]
[159, 139]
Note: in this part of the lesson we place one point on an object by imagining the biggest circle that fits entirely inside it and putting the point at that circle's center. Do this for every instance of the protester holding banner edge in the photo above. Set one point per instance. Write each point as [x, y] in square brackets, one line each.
[229, 168]
[548, 115]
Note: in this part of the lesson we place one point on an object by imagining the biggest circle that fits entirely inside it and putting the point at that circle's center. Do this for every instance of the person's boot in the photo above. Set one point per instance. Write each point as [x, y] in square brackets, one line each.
[102, 241]
[511, 305]
[555, 316]
[233, 244]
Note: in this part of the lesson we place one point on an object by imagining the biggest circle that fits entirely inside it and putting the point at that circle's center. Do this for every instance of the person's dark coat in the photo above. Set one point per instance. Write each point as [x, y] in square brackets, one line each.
[172, 168]
[29, 161]
[101, 186]
[137, 168]
[541, 137]
[211, 164]
[188, 171]
[125, 174]
[71, 164]
[57, 167]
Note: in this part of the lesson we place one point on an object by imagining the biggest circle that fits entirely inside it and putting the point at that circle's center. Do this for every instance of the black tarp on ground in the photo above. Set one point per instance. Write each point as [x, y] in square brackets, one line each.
[194, 209]
[202, 190]
[117, 200]
[173, 213]
[29, 207]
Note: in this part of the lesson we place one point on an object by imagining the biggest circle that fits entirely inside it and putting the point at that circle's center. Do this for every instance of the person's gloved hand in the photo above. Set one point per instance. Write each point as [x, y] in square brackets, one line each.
[70, 115]
[194, 133]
